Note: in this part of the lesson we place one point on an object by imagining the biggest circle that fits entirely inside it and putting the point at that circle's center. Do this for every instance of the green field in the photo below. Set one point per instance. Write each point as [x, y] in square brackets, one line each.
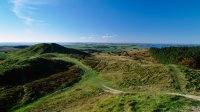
[97, 47]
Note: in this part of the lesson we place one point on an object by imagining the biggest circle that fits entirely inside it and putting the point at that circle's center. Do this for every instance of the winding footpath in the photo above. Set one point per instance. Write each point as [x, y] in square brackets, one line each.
[115, 91]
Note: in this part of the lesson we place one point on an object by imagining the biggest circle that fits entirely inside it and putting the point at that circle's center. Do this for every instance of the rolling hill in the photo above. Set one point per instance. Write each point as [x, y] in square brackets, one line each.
[47, 77]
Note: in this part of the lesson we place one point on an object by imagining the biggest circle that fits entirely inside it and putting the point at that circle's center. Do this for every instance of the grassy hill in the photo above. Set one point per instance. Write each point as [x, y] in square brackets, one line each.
[44, 48]
[33, 72]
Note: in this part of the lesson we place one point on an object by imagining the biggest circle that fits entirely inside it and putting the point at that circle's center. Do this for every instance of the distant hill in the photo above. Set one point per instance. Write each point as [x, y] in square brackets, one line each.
[50, 48]
[21, 46]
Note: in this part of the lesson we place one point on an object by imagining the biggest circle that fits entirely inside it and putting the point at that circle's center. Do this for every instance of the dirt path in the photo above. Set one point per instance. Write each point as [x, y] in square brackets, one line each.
[113, 91]
[186, 96]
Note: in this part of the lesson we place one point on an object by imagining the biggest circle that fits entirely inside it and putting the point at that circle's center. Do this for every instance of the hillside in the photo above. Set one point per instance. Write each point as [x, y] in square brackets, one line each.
[43, 48]
[16, 72]
[25, 80]
[118, 83]
[14, 96]
[34, 72]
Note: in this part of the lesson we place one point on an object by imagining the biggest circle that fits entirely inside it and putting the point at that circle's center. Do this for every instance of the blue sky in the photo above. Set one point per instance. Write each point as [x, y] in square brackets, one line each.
[143, 21]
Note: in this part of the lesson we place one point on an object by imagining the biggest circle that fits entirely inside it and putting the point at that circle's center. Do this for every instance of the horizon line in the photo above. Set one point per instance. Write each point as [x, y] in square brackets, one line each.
[110, 42]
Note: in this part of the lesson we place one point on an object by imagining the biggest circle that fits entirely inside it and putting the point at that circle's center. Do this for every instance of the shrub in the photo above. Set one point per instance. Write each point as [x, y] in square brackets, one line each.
[189, 62]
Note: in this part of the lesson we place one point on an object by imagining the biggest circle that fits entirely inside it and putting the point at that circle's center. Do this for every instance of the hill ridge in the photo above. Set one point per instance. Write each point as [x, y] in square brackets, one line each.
[43, 48]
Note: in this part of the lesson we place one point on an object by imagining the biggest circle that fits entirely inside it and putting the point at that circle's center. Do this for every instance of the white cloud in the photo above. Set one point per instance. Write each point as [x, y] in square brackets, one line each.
[108, 36]
[26, 10]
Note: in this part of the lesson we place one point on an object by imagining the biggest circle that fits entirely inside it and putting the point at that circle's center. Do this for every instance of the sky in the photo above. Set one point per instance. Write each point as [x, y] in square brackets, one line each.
[113, 21]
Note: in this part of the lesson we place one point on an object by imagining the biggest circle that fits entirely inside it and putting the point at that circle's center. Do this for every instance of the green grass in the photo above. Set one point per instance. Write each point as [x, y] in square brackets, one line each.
[143, 103]
[179, 79]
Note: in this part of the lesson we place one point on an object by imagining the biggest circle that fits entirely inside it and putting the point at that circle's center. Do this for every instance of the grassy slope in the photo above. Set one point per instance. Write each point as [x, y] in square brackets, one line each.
[88, 95]
[43, 76]
[134, 74]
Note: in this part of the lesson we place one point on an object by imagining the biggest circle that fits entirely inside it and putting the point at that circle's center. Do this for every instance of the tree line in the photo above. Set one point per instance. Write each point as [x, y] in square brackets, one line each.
[187, 56]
